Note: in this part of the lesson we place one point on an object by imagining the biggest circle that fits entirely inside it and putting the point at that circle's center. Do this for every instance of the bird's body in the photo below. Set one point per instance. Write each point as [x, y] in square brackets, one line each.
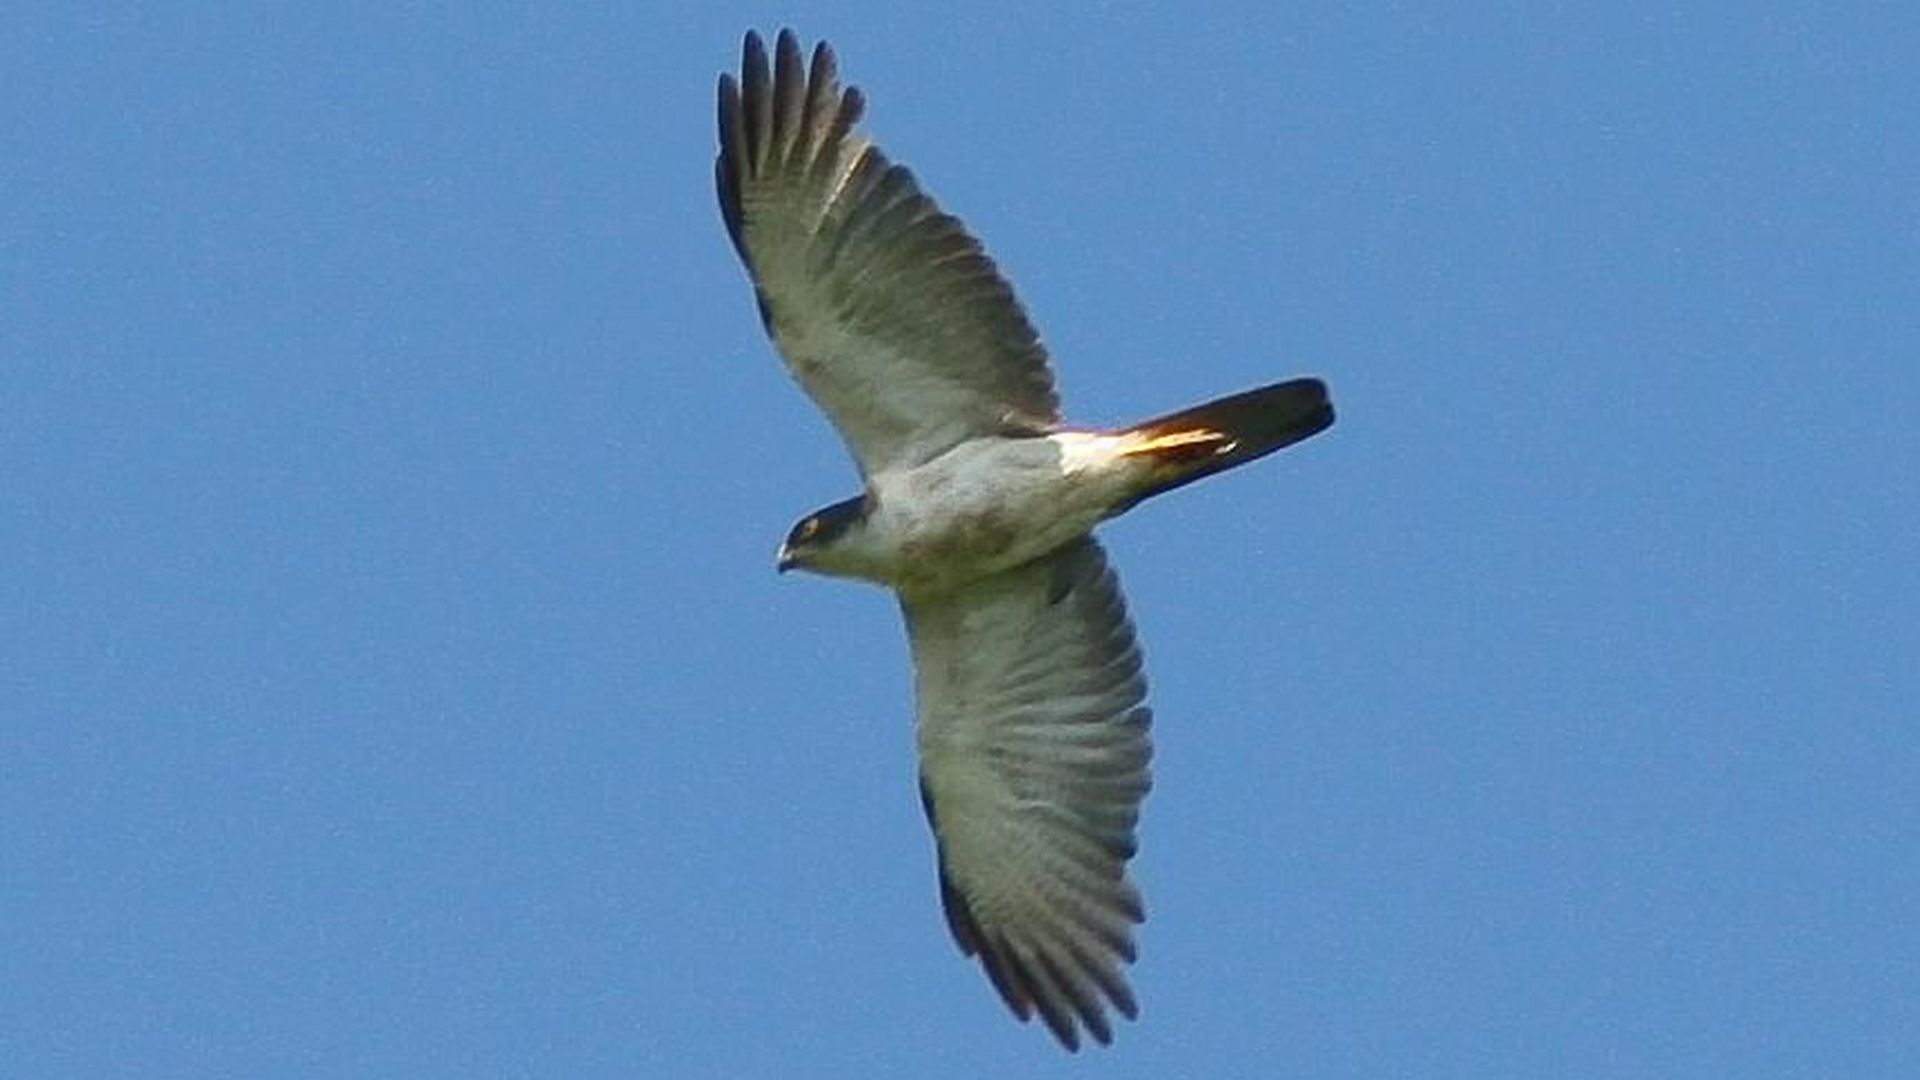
[977, 510]
[982, 508]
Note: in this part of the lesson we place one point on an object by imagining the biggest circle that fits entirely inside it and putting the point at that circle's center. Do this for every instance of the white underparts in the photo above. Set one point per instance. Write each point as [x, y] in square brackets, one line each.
[985, 506]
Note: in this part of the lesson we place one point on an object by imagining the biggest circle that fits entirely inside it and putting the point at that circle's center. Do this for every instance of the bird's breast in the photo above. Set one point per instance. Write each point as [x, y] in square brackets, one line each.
[984, 507]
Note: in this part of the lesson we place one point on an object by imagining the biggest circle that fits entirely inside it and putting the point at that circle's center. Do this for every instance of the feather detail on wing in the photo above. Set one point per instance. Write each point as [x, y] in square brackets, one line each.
[1034, 754]
[888, 313]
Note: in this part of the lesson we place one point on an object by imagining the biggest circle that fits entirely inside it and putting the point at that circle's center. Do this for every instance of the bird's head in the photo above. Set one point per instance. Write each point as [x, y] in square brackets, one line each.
[825, 541]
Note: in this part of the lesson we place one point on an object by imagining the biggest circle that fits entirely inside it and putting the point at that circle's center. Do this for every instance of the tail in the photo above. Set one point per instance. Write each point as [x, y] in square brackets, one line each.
[1221, 434]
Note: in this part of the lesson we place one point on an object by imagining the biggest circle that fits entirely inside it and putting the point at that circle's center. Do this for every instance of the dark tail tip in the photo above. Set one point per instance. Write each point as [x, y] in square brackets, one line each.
[1253, 424]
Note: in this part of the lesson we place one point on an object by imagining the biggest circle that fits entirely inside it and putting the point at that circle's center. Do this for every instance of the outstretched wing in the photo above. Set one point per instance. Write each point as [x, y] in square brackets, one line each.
[1034, 757]
[890, 316]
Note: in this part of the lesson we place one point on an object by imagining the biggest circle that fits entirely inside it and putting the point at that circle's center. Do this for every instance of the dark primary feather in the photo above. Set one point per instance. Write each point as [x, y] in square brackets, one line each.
[888, 313]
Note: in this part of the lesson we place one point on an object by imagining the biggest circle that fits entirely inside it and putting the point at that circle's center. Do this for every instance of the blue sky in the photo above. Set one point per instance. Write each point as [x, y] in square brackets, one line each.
[396, 682]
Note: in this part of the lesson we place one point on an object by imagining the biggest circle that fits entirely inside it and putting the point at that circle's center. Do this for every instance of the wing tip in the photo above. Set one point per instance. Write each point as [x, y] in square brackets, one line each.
[782, 113]
[784, 97]
[1034, 981]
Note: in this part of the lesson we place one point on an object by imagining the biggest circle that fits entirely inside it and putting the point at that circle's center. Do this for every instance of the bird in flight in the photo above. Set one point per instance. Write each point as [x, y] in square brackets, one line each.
[977, 509]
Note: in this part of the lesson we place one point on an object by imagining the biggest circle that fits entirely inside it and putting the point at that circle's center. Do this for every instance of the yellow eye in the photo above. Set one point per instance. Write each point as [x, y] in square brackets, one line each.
[809, 527]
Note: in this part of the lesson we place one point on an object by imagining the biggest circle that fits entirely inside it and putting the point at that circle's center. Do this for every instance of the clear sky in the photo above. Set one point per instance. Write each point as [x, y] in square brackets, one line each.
[394, 681]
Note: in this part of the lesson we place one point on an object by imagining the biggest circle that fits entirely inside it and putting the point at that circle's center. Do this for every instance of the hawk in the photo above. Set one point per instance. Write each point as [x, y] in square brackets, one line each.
[977, 510]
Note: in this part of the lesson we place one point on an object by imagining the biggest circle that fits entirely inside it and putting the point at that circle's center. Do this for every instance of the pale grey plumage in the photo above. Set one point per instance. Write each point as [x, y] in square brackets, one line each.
[1034, 759]
[889, 315]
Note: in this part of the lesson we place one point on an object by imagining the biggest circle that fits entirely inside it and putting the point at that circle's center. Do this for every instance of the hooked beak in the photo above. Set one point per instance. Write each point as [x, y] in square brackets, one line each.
[784, 561]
